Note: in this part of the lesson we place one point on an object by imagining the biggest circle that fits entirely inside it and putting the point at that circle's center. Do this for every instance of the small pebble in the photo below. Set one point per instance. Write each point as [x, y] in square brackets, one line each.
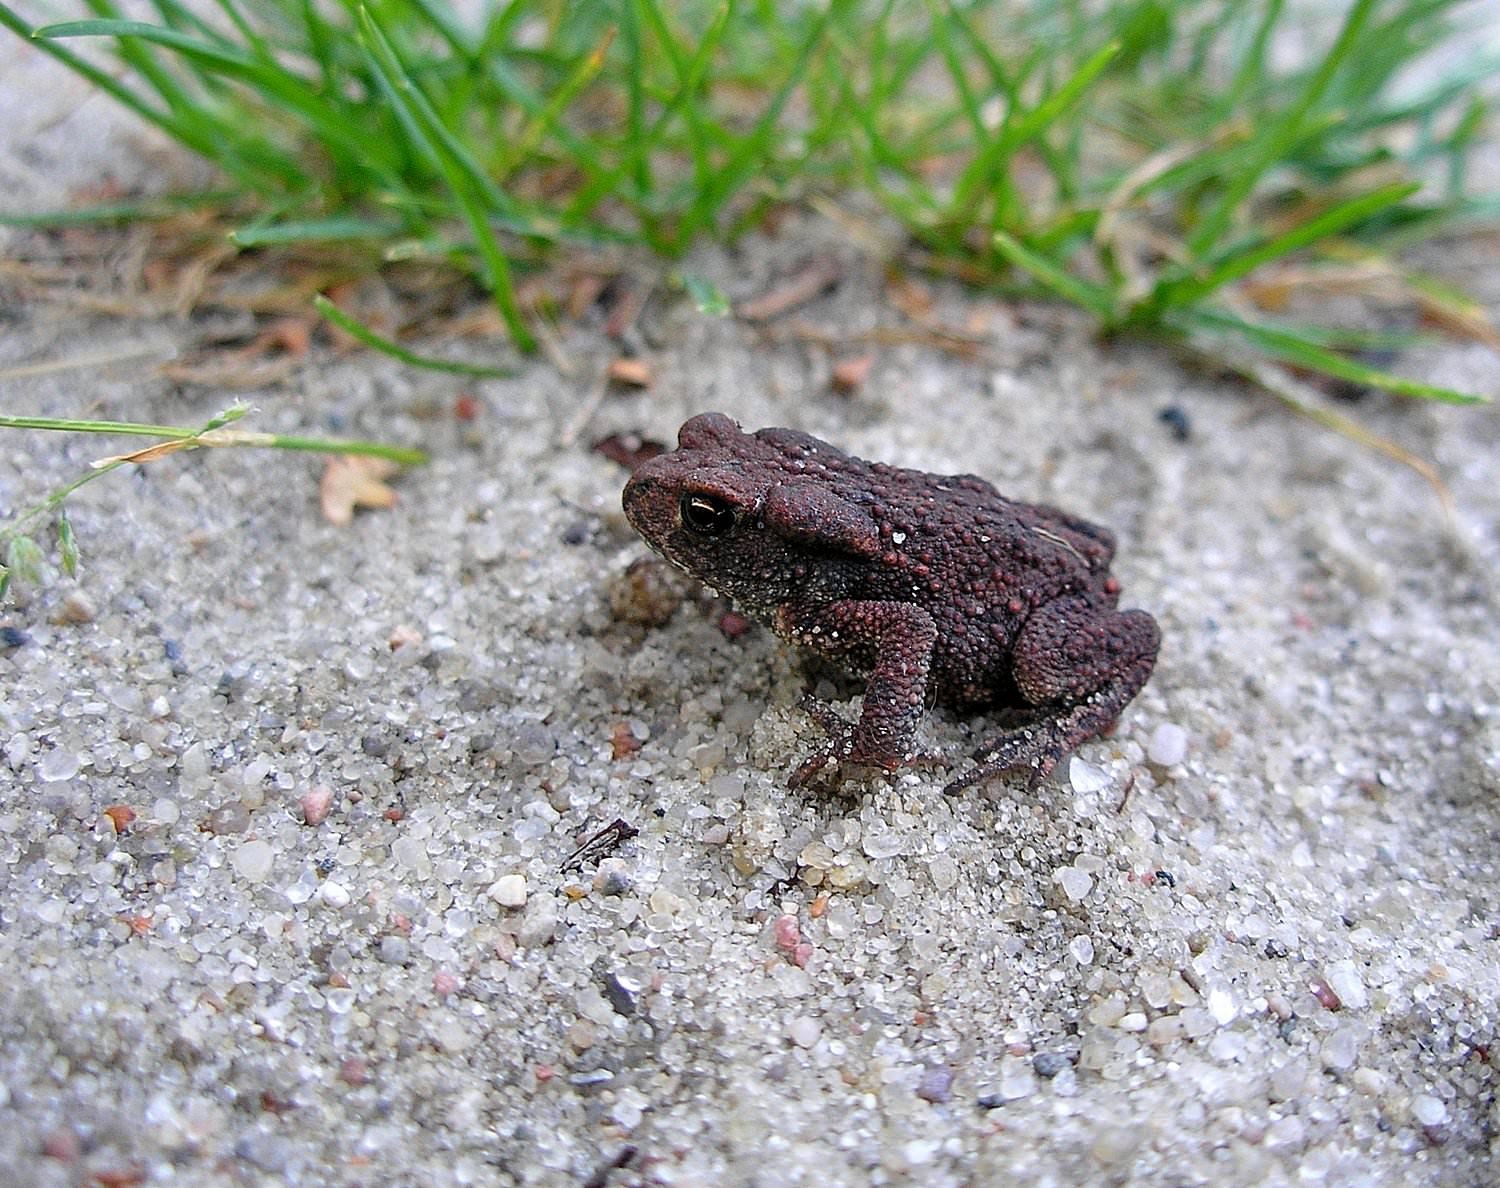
[936, 1084]
[1168, 745]
[1082, 950]
[77, 608]
[316, 803]
[1086, 777]
[804, 1031]
[395, 950]
[1341, 1049]
[57, 765]
[509, 890]
[1048, 1064]
[539, 924]
[1345, 980]
[253, 860]
[1074, 882]
[1428, 1110]
[335, 895]
[1222, 1007]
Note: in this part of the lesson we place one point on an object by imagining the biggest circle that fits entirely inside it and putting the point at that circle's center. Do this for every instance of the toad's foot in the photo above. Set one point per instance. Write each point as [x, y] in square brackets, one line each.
[1037, 748]
[850, 752]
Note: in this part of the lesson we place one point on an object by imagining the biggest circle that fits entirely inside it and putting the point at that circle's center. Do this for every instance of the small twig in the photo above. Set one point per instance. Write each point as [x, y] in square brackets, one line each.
[812, 280]
[600, 845]
[579, 421]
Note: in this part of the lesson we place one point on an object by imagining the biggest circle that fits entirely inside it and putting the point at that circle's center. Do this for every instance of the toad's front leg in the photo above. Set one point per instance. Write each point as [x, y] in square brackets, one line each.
[890, 641]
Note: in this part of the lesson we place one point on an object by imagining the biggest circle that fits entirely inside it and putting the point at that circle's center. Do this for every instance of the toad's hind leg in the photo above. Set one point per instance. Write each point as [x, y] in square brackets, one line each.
[1080, 665]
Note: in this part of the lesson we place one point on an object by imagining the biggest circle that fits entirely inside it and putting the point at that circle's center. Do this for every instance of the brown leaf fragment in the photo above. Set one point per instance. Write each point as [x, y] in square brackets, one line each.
[628, 449]
[354, 481]
[849, 375]
[149, 454]
[813, 279]
[635, 373]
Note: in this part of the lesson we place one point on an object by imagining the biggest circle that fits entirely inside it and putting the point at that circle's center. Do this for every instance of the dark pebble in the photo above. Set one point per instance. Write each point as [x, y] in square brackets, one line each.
[1175, 418]
[1048, 1064]
[936, 1084]
[620, 998]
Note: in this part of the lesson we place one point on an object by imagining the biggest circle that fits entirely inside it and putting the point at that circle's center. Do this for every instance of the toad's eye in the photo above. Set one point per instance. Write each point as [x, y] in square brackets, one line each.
[707, 515]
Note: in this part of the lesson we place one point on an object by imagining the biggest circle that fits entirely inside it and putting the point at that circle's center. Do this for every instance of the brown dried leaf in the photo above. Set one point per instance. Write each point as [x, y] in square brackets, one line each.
[351, 481]
[635, 373]
[628, 449]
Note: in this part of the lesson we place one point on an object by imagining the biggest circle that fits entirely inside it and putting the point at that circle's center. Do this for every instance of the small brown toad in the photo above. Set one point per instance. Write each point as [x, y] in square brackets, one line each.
[934, 588]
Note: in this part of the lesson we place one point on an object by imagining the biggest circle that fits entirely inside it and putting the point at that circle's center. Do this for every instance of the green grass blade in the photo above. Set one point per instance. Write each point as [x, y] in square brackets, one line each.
[942, 20]
[144, 211]
[1094, 298]
[1279, 136]
[1252, 70]
[982, 172]
[399, 90]
[1332, 221]
[582, 74]
[1299, 349]
[748, 152]
[386, 347]
[635, 82]
[338, 229]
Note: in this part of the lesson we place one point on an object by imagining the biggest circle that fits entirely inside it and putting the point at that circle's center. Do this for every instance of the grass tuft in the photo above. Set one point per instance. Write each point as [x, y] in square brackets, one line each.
[1140, 158]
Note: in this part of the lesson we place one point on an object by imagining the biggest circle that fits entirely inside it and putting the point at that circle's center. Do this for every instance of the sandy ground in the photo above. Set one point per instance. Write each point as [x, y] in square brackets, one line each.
[1269, 958]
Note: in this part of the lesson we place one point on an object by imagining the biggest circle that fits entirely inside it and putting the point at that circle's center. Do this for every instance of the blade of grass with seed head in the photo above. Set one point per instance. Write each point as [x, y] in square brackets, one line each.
[205, 435]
